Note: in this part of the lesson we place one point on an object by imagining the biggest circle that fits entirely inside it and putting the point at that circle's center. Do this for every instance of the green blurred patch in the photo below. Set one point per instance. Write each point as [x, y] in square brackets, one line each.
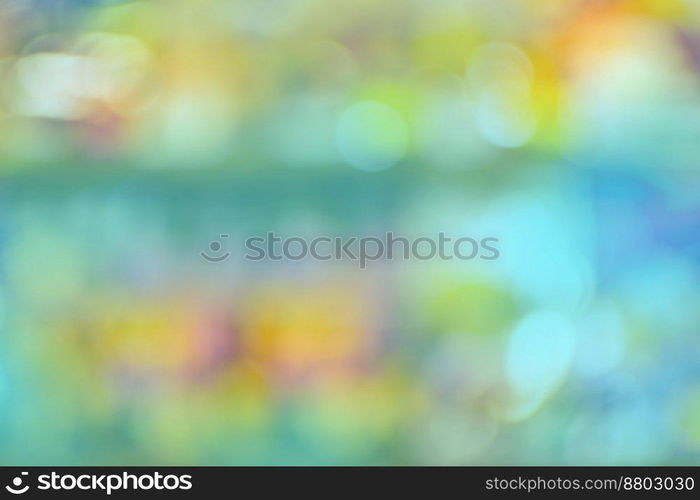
[474, 307]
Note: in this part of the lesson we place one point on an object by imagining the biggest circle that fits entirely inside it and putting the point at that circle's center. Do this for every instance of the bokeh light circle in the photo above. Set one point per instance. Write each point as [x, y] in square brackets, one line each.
[371, 136]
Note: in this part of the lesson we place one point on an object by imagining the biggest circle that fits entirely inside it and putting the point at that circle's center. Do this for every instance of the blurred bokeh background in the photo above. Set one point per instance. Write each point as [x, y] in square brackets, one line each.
[133, 133]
